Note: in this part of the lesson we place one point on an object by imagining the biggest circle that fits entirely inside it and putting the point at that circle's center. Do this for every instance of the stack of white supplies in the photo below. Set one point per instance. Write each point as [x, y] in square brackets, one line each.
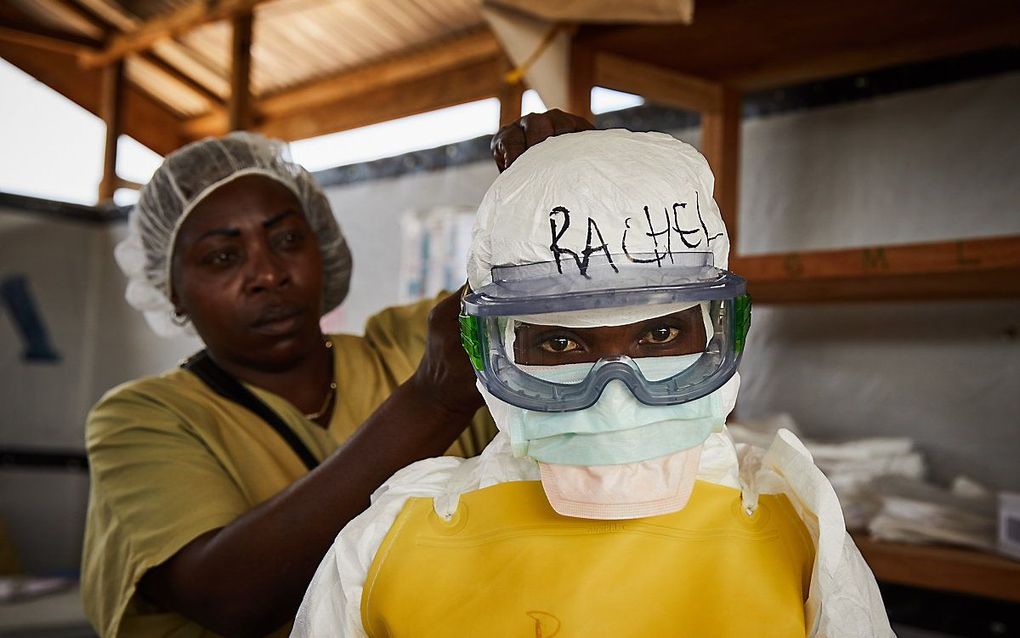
[850, 466]
[916, 512]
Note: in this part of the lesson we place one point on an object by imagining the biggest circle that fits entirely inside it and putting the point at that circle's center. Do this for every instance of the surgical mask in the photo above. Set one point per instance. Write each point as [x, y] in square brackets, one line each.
[618, 429]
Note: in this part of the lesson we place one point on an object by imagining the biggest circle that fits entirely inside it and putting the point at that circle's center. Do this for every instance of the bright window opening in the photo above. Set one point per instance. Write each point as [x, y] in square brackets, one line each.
[608, 100]
[53, 148]
[602, 101]
[414, 133]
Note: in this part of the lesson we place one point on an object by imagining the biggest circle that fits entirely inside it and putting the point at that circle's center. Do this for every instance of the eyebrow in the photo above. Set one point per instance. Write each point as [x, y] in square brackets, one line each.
[275, 219]
[227, 232]
[234, 232]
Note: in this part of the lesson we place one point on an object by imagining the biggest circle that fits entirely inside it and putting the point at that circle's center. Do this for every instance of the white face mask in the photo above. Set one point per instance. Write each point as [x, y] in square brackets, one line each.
[619, 458]
[630, 490]
[618, 428]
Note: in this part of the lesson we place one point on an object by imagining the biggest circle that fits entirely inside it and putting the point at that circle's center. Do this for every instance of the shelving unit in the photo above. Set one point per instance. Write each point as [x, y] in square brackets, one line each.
[969, 269]
[945, 568]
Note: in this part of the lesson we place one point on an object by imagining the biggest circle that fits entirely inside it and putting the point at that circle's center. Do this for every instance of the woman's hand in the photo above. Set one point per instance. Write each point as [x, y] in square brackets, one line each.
[513, 139]
[445, 373]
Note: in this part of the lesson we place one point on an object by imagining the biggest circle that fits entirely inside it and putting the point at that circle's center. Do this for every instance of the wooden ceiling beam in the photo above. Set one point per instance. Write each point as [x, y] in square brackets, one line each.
[475, 81]
[797, 68]
[657, 84]
[478, 47]
[182, 20]
[36, 36]
[90, 17]
[761, 44]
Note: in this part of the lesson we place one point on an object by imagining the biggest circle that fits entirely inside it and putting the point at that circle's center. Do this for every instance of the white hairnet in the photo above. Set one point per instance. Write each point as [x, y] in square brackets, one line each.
[184, 179]
[610, 183]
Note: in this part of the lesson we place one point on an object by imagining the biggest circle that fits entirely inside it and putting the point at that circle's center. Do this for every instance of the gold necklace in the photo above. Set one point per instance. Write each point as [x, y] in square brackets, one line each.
[332, 388]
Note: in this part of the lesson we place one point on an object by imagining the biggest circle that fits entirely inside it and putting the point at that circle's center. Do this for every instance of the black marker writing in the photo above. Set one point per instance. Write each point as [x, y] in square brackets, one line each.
[583, 259]
[684, 232]
[658, 257]
[697, 203]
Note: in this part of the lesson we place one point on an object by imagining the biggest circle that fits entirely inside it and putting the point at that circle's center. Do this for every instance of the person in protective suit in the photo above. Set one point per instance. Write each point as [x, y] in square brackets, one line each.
[605, 333]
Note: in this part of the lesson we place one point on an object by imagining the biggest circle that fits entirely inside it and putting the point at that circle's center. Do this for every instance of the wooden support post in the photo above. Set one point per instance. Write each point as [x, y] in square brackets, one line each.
[582, 79]
[720, 142]
[240, 73]
[111, 110]
[510, 96]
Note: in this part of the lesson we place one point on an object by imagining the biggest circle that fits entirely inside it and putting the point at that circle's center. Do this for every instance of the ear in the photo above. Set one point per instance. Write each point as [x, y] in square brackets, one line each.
[176, 302]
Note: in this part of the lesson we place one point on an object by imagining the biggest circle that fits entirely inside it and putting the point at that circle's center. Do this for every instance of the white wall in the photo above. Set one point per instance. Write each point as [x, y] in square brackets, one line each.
[932, 165]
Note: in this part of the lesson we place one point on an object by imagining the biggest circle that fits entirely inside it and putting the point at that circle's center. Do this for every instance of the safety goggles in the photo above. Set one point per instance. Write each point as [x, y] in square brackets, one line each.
[550, 336]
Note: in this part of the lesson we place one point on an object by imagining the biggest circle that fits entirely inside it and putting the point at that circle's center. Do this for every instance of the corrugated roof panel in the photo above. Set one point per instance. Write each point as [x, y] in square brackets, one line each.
[295, 42]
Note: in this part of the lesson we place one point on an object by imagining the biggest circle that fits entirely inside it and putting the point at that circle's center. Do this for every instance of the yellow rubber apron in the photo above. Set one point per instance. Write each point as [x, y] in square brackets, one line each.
[507, 565]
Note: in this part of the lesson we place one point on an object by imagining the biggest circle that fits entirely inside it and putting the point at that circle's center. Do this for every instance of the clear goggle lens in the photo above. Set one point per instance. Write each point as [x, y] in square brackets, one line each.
[660, 347]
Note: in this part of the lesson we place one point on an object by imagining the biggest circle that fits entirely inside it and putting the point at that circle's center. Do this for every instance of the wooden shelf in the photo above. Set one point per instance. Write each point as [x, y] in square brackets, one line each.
[967, 269]
[943, 568]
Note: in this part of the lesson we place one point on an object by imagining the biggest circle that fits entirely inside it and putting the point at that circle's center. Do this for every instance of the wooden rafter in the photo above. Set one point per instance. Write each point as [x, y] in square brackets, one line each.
[479, 45]
[44, 38]
[791, 69]
[97, 21]
[293, 104]
[760, 44]
[179, 21]
[657, 84]
[475, 81]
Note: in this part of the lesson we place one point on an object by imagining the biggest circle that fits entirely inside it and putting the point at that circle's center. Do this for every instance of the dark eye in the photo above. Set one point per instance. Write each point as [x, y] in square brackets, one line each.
[287, 239]
[559, 345]
[221, 257]
[660, 335]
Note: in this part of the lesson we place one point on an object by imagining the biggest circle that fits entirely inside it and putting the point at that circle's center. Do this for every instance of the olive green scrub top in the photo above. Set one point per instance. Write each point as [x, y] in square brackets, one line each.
[171, 460]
